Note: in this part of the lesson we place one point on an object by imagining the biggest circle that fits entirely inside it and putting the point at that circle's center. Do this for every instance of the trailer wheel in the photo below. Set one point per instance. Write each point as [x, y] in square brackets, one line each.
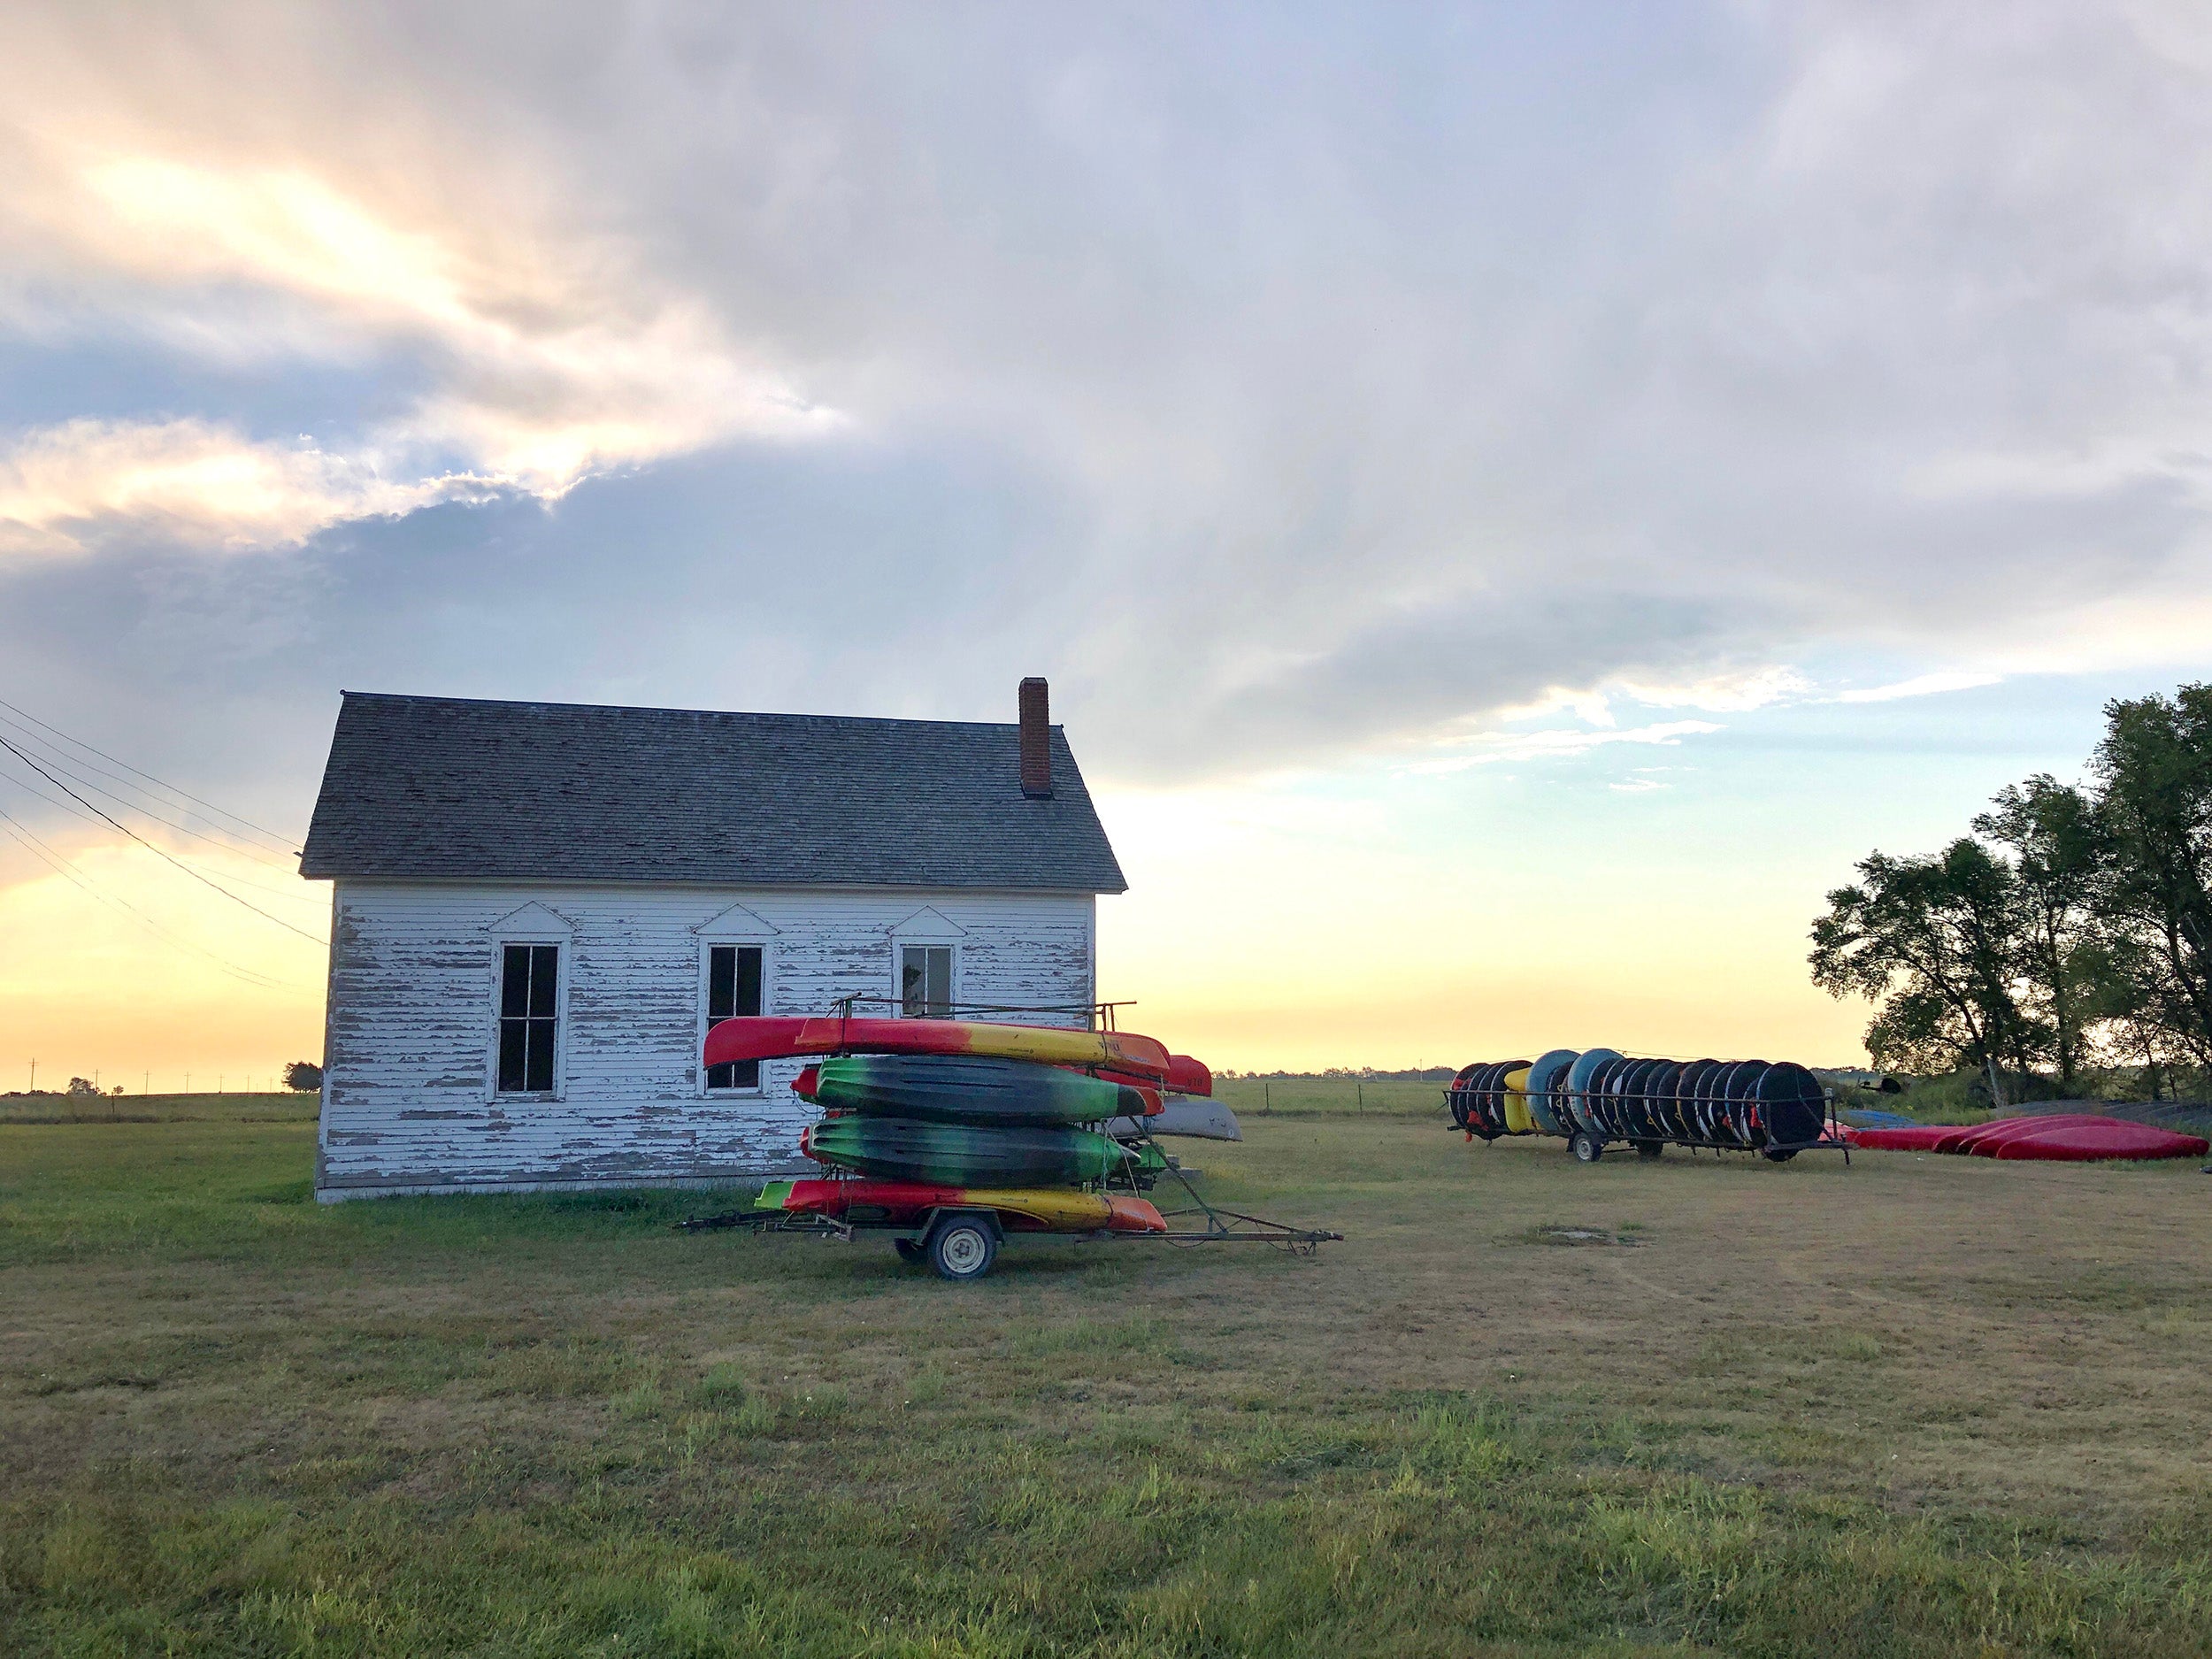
[962, 1248]
[1586, 1147]
[910, 1251]
[1783, 1156]
[1650, 1148]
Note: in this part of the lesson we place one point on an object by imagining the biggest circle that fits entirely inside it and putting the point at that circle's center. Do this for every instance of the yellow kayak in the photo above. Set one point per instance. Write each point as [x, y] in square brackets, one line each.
[1516, 1118]
[1024, 1208]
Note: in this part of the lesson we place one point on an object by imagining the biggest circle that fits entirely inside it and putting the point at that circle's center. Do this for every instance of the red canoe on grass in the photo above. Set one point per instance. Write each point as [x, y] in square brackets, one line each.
[2102, 1138]
[1983, 1139]
[1899, 1137]
[757, 1037]
[2062, 1137]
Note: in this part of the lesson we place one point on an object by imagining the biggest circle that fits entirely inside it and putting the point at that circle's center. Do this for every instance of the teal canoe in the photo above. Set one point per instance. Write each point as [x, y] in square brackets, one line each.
[963, 1155]
[963, 1089]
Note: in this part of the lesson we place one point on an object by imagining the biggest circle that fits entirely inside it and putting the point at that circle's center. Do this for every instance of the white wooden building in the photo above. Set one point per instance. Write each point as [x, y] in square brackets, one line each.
[539, 908]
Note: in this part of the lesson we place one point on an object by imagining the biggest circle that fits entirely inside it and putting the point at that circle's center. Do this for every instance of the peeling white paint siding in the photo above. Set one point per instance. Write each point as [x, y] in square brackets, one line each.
[407, 1098]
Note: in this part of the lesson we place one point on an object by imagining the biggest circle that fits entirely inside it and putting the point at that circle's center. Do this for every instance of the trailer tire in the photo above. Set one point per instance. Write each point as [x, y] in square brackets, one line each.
[1651, 1148]
[1782, 1155]
[962, 1248]
[1586, 1147]
[910, 1251]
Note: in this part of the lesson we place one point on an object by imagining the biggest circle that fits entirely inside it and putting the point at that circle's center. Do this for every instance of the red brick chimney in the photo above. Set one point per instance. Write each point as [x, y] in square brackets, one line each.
[1036, 714]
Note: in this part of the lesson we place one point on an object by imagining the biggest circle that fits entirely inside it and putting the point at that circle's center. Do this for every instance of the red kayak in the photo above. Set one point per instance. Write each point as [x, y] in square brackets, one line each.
[757, 1037]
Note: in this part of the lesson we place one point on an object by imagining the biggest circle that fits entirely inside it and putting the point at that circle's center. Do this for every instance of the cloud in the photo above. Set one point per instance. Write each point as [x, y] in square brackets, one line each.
[1327, 386]
[64, 488]
[1497, 746]
[1922, 686]
[546, 363]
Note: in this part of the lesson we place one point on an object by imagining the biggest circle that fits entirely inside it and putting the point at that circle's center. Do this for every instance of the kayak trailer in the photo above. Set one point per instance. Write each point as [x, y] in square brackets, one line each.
[958, 1233]
[1600, 1097]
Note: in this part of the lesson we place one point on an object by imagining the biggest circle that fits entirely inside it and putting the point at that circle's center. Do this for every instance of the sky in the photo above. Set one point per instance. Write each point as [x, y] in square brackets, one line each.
[1511, 501]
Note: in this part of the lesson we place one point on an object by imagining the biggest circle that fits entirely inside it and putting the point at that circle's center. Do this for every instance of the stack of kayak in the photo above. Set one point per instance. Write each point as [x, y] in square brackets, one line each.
[1595, 1097]
[2058, 1137]
[923, 1117]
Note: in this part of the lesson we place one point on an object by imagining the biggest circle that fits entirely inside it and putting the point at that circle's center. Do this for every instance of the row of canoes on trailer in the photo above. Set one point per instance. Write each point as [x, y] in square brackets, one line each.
[1597, 1095]
[961, 1105]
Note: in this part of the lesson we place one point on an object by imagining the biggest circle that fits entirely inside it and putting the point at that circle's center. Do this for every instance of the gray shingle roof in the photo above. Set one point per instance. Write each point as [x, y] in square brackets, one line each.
[458, 787]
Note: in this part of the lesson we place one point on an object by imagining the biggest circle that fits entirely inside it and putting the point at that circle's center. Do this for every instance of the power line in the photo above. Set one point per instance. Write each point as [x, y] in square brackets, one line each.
[75, 811]
[23, 715]
[70, 807]
[74, 768]
[69, 873]
[258, 855]
[157, 851]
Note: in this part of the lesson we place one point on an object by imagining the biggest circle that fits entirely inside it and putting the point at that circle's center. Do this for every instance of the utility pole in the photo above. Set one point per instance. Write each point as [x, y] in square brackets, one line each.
[146, 1084]
[33, 1076]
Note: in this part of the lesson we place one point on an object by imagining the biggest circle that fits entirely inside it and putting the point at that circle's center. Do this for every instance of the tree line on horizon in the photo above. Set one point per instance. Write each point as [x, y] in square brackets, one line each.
[2069, 933]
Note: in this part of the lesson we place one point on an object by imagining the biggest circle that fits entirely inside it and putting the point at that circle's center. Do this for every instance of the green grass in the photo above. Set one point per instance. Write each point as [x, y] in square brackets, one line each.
[1919, 1406]
[286, 1107]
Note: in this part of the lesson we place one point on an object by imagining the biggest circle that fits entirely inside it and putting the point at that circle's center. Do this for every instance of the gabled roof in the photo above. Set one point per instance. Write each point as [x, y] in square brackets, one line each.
[457, 787]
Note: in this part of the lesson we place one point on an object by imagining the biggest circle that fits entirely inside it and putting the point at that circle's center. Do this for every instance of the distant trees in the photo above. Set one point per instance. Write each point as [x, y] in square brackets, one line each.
[303, 1075]
[2073, 928]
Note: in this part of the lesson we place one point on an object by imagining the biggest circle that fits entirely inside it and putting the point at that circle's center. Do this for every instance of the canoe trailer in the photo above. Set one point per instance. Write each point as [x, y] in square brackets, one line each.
[962, 1241]
[1599, 1097]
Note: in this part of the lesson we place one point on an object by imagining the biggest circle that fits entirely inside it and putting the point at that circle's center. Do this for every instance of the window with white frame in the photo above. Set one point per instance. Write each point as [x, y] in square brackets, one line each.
[733, 977]
[529, 1017]
[925, 981]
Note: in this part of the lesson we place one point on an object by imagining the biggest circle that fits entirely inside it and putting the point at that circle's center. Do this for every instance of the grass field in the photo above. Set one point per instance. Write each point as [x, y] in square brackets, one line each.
[1923, 1405]
[287, 1107]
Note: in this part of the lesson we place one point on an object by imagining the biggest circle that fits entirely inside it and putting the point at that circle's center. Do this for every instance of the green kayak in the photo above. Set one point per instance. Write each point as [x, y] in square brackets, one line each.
[963, 1155]
[963, 1089]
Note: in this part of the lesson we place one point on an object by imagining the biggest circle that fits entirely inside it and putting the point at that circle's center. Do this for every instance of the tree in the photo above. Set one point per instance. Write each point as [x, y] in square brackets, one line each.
[1934, 943]
[2154, 769]
[81, 1085]
[304, 1075]
[2061, 871]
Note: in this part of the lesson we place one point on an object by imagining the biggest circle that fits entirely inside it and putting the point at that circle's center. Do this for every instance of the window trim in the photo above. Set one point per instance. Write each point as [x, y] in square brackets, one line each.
[922, 941]
[707, 947]
[531, 924]
[564, 961]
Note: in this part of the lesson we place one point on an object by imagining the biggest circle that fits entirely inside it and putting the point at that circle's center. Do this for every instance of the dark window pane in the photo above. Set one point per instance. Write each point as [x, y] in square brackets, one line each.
[939, 982]
[540, 1080]
[514, 982]
[738, 1074]
[545, 978]
[748, 998]
[721, 981]
[512, 1035]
